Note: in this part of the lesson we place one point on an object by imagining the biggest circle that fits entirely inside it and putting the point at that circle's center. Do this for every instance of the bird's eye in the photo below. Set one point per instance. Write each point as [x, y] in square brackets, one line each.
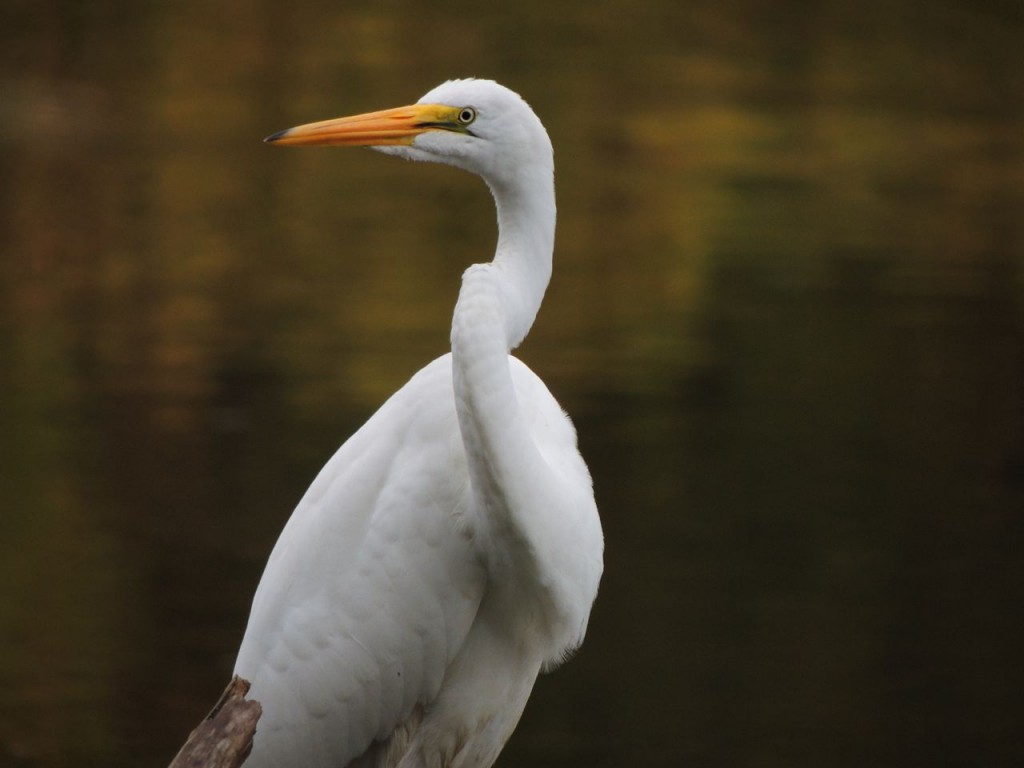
[467, 115]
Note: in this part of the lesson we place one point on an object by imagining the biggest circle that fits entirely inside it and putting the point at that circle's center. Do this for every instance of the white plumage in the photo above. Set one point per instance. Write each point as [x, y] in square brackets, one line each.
[451, 548]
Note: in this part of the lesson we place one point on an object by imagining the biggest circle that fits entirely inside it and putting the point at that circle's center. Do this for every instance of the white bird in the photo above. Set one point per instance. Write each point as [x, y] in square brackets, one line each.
[451, 549]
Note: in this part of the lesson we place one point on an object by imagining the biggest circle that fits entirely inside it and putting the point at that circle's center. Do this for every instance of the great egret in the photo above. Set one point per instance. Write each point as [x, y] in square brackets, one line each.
[451, 548]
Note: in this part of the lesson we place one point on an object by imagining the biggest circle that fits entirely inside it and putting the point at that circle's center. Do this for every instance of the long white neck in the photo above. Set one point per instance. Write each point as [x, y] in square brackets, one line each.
[521, 268]
[497, 305]
[499, 301]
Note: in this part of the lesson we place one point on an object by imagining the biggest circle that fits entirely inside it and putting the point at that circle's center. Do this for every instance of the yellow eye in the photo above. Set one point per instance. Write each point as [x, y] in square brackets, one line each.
[467, 115]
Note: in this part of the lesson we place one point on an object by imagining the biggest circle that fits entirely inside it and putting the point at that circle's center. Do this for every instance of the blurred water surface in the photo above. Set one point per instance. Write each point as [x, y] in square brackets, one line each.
[787, 317]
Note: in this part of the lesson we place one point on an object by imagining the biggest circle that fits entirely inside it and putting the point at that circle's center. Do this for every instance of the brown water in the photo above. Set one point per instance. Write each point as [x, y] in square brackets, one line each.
[787, 317]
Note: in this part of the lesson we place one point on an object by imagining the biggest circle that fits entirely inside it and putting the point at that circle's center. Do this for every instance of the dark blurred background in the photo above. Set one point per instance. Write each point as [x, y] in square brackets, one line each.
[787, 317]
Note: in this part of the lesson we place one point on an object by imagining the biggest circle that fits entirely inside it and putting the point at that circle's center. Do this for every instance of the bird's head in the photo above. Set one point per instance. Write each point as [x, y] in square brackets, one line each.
[477, 125]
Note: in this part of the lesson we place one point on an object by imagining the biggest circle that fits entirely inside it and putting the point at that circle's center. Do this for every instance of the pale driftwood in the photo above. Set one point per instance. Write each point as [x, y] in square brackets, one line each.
[224, 738]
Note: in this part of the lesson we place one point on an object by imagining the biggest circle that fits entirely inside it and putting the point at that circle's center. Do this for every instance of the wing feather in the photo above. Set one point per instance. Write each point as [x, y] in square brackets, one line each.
[372, 587]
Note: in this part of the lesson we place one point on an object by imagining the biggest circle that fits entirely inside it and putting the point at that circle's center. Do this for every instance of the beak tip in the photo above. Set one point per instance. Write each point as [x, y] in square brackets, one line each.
[276, 136]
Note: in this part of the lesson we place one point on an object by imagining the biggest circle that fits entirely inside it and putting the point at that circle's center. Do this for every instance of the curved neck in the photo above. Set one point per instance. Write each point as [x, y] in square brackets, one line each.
[497, 305]
[526, 238]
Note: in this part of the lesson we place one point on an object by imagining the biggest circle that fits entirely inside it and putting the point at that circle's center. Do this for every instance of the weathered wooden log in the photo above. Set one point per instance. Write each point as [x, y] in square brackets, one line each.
[224, 738]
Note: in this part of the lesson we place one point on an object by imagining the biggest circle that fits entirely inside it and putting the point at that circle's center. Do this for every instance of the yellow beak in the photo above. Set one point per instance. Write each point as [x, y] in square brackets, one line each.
[389, 126]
